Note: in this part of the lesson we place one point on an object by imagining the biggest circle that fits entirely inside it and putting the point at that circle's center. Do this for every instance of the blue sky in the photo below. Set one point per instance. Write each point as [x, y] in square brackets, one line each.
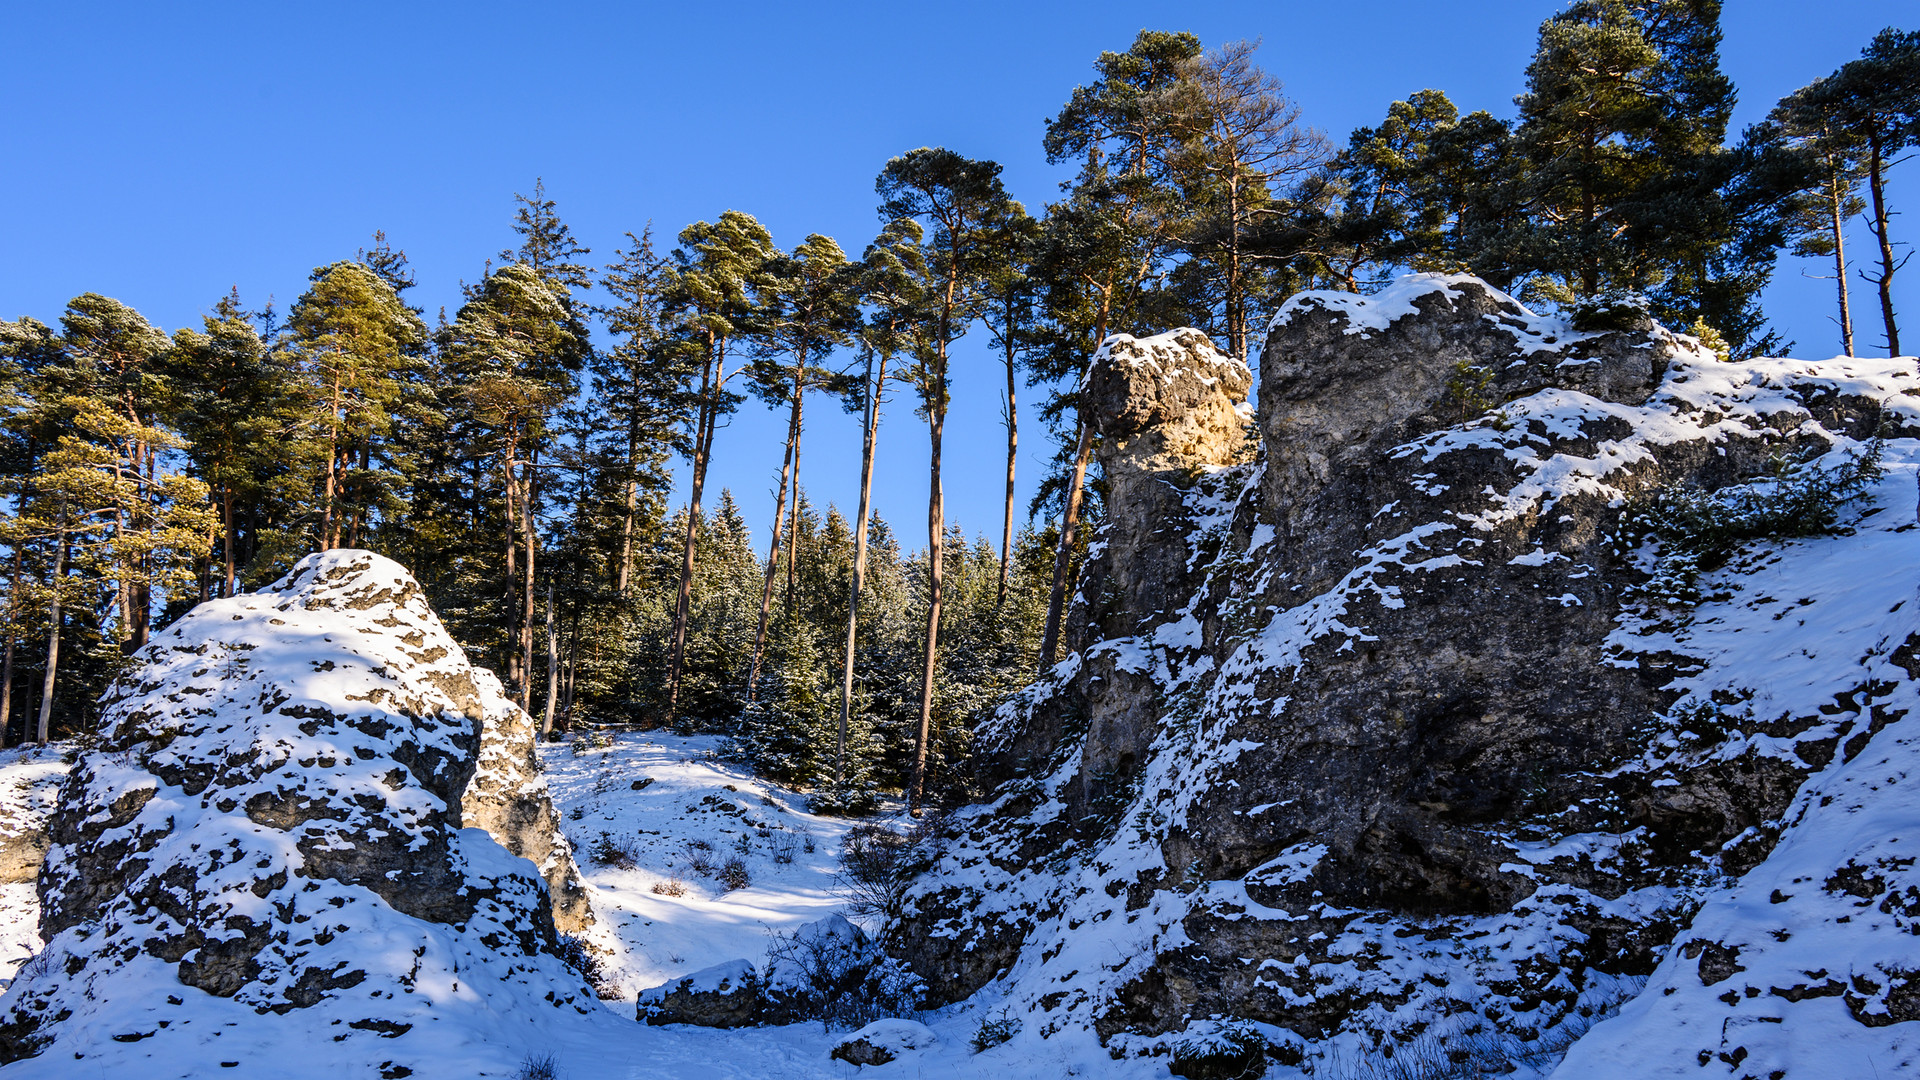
[162, 153]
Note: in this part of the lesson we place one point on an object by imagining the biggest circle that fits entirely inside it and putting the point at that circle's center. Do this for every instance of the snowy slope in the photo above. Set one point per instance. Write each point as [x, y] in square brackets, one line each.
[30, 778]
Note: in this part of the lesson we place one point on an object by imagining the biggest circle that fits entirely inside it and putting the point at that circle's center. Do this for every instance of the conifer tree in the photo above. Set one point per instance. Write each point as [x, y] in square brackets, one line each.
[893, 274]
[240, 416]
[958, 197]
[351, 334]
[1236, 137]
[809, 305]
[711, 298]
[1101, 245]
[1877, 100]
[517, 345]
[1010, 296]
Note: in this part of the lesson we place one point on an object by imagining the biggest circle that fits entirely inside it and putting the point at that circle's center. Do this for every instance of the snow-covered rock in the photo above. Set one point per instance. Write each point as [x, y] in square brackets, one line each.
[1423, 765]
[725, 995]
[269, 834]
[883, 1041]
[30, 779]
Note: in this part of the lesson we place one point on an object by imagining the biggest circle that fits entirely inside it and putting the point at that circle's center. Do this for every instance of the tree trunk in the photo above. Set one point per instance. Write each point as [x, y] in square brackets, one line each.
[333, 468]
[233, 537]
[45, 733]
[1835, 194]
[1063, 555]
[1876, 167]
[531, 531]
[773, 550]
[516, 676]
[1013, 445]
[702, 441]
[859, 563]
[553, 668]
[6, 666]
[793, 524]
[936, 545]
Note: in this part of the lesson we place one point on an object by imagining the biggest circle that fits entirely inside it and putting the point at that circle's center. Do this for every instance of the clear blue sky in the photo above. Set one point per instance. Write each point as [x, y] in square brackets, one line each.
[160, 153]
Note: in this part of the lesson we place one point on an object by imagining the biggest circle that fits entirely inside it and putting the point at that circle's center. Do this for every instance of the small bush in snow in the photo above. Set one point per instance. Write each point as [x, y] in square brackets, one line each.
[1235, 1050]
[994, 1029]
[783, 847]
[743, 844]
[538, 1067]
[586, 963]
[875, 872]
[700, 857]
[1699, 530]
[672, 886]
[734, 874]
[621, 852]
[832, 972]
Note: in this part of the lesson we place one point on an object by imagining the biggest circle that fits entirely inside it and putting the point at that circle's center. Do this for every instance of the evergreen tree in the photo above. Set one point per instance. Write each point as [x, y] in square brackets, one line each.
[711, 298]
[958, 197]
[352, 334]
[240, 414]
[517, 345]
[809, 305]
[1876, 99]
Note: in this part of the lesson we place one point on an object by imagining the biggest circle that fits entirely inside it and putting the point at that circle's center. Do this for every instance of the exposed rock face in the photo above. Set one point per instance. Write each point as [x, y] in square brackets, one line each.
[274, 815]
[508, 798]
[1402, 740]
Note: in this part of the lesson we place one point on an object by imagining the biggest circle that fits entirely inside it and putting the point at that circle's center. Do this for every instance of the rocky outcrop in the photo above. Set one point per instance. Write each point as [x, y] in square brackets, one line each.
[1406, 745]
[273, 820]
[508, 798]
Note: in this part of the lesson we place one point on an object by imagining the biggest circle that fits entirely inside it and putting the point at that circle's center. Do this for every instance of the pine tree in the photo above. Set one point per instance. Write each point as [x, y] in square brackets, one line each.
[240, 416]
[1010, 296]
[958, 197]
[809, 305]
[1101, 245]
[892, 276]
[1877, 100]
[352, 334]
[711, 298]
[1237, 138]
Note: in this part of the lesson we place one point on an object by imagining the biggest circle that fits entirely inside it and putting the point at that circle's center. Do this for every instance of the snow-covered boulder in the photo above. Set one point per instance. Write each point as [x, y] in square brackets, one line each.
[271, 824]
[725, 995]
[883, 1041]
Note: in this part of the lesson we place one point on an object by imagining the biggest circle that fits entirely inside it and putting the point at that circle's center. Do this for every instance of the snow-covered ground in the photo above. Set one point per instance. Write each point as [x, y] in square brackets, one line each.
[30, 779]
[688, 795]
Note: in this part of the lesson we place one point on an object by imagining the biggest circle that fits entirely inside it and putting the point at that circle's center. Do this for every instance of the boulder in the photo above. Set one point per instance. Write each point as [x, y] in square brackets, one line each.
[270, 821]
[726, 995]
[883, 1041]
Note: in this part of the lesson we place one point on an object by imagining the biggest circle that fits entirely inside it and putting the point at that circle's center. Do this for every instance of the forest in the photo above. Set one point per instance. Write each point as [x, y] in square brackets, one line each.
[520, 453]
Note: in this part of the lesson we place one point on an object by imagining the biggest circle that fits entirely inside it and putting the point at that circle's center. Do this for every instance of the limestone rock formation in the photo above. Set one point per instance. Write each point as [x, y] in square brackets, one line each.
[1409, 745]
[274, 819]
